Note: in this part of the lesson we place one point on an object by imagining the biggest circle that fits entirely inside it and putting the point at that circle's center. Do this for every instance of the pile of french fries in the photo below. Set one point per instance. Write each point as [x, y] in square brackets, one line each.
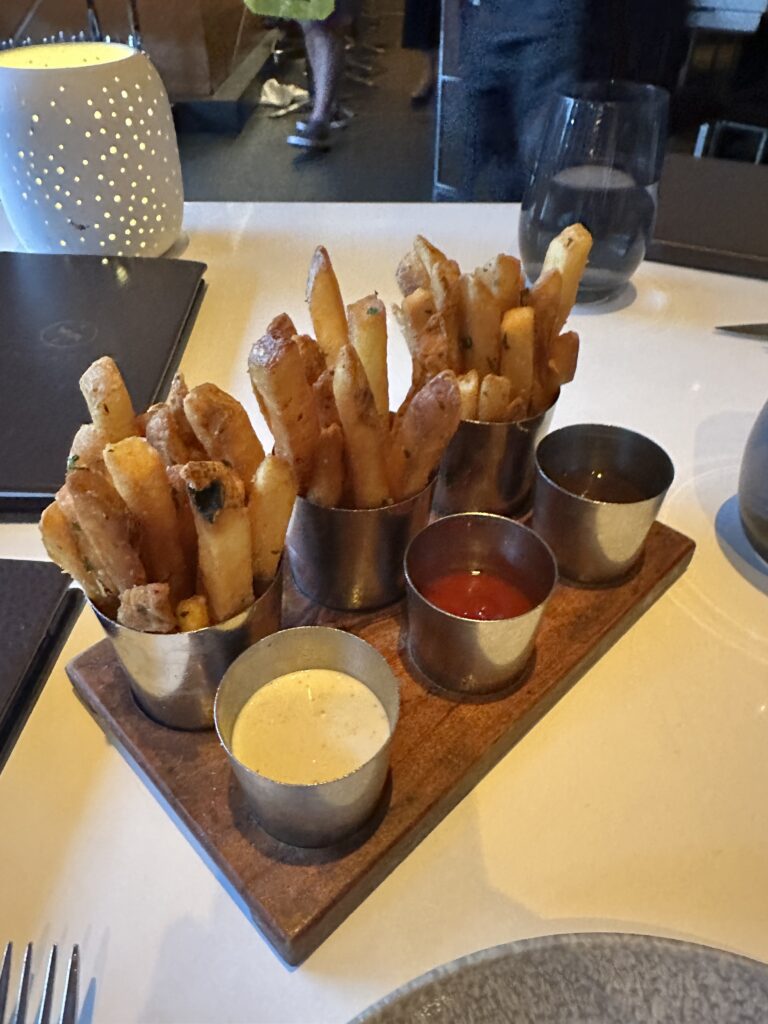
[172, 520]
[326, 400]
[504, 342]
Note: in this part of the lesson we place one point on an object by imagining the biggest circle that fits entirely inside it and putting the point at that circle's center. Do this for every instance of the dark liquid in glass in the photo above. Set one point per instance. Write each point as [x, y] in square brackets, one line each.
[599, 486]
[617, 211]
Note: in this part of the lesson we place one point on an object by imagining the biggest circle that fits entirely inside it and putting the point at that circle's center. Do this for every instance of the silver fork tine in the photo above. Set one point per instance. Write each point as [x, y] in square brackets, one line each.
[44, 1015]
[5, 979]
[69, 1006]
[21, 999]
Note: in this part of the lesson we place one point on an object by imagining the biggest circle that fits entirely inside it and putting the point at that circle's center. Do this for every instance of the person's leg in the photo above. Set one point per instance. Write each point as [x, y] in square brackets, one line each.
[325, 53]
[512, 70]
[325, 49]
[426, 82]
[421, 32]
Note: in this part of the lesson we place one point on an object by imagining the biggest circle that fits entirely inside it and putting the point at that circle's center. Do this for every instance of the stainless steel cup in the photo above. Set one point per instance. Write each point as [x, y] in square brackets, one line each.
[324, 813]
[598, 541]
[469, 655]
[488, 467]
[352, 559]
[174, 676]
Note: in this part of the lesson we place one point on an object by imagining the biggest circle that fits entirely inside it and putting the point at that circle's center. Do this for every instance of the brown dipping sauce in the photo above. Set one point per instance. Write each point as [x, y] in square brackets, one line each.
[599, 486]
[477, 594]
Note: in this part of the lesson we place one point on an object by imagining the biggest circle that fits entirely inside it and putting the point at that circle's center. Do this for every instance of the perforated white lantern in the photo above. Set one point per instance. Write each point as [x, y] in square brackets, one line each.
[88, 154]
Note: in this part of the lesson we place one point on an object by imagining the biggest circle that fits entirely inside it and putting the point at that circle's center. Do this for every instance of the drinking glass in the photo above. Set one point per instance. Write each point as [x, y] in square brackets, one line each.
[599, 165]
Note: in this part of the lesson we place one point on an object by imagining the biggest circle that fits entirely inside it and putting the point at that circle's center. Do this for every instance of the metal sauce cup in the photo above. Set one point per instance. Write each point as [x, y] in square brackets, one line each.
[174, 676]
[352, 559]
[598, 541]
[326, 812]
[475, 656]
[488, 467]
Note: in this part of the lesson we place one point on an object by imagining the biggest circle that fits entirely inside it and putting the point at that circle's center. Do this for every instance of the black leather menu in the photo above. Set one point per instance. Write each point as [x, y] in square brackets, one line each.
[713, 215]
[58, 314]
[37, 611]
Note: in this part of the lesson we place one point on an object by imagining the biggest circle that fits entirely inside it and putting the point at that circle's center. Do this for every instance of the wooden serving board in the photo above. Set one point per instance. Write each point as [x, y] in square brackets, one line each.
[442, 747]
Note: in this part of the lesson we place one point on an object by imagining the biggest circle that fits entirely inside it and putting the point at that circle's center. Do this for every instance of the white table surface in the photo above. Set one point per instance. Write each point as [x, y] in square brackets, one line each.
[637, 804]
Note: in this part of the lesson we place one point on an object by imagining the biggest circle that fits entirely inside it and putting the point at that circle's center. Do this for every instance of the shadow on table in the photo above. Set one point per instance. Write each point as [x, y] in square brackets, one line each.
[736, 548]
[625, 298]
[94, 967]
[89, 1001]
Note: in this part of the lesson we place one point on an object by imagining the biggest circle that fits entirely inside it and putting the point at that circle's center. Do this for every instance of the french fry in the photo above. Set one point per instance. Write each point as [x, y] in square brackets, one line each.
[86, 451]
[469, 390]
[139, 476]
[543, 394]
[311, 356]
[184, 519]
[217, 499]
[413, 390]
[107, 398]
[446, 287]
[411, 273]
[517, 350]
[270, 503]
[429, 255]
[277, 375]
[367, 320]
[281, 327]
[109, 530]
[421, 434]
[87, 551]
[60, 541]
[563, 356]
[503, 278]
[147, 608]
[223, 428]
[544, 299]
[327, 485]
[161, 430]
[434, 350]
[568, 253]
[516, 410]
[325, 306]
[176, 395]
[417, 308]
[192, 613]
[480, 326]
[364, 434]
[495, 399]
[443, 275]
[322, 390]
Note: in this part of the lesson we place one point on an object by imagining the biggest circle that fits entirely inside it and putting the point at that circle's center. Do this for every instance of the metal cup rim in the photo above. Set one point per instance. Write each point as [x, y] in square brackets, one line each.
[225, 624]
[368, 511]
[511, 523]
[307, 785]
[515, 423]
[597, 501]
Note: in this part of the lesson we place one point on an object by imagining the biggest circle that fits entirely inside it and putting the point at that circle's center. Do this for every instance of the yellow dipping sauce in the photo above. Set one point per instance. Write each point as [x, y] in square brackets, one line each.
[311, 726]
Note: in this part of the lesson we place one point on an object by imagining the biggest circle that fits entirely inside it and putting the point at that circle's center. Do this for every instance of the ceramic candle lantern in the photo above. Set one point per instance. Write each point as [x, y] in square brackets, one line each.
[88, 155]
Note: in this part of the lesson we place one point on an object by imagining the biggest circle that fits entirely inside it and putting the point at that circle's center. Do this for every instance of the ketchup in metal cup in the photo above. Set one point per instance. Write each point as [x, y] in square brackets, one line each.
[477, 594]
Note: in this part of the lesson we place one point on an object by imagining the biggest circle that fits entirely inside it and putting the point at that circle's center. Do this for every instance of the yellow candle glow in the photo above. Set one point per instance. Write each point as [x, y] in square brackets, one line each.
[63, 55]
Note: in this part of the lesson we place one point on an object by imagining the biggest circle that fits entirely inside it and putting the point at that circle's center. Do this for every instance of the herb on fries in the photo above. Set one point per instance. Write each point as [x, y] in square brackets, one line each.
[505, 343]
[173, 519]
[327, 401]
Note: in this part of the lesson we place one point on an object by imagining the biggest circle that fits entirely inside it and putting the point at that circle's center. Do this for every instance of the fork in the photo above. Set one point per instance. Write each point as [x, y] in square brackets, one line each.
[69, 1004]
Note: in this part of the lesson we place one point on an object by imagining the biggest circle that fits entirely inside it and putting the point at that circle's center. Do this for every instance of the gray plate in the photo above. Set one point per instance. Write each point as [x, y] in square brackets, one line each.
[584, 979]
